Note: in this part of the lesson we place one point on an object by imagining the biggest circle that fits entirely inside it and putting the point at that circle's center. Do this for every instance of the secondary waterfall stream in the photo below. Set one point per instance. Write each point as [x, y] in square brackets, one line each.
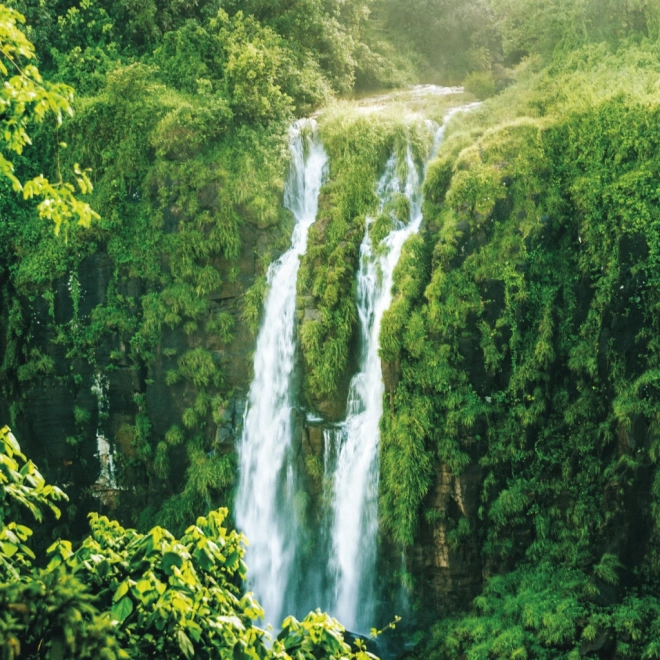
[352, 447]
[267, 481]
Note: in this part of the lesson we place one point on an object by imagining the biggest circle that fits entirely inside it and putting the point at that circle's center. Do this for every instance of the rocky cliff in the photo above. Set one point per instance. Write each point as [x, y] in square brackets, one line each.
[519, 355]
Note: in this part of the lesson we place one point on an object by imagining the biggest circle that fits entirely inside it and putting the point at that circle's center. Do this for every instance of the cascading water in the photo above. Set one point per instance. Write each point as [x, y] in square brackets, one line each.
[267, 481]
[352, 447]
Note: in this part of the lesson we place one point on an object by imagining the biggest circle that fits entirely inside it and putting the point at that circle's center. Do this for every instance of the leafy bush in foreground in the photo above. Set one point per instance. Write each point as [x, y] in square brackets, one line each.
[123, 594]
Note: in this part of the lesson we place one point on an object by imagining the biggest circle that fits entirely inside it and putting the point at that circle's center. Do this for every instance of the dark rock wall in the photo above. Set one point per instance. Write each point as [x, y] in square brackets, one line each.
[56, 413]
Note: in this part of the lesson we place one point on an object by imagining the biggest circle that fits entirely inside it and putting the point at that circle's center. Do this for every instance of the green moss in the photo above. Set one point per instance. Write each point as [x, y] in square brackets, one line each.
[381, 227]
[358, 147]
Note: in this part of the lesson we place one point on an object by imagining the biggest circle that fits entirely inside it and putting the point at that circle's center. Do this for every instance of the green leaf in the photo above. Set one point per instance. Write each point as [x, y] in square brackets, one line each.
[103, 568]
[205, 562]
[23, 532]
[9, 549]
[239, 651]
[122, 609]
[171, 559]
[27, 551]
[143, 586]
[185, 644]
[122, 590]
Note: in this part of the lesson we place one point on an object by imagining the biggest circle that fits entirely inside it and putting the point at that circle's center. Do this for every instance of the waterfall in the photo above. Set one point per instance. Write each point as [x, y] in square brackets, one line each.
[354, 443]
[267, 479]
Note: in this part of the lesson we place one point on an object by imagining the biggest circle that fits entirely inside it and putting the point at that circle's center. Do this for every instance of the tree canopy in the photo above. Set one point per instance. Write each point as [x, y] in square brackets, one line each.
[25, 99]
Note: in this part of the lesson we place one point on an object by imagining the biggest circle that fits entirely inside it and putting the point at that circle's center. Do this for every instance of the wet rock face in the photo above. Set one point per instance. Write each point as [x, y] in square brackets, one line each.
[446, 561]
[59, 412]
[391, 377]
[332, 409]
[312, 450]
[230, 426]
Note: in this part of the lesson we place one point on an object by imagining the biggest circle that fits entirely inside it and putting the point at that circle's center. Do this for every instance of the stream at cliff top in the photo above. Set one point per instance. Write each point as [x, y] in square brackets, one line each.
[265, 501]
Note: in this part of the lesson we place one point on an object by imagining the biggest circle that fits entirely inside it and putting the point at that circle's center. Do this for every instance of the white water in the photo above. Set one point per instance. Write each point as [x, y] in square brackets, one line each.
[352, 448]
[106, 480]
[266, 490]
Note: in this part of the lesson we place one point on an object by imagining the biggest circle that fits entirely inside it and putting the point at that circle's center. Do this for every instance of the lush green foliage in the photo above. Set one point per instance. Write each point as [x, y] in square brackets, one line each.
[332, 32]
[452, 39]
[43, 611]
[533, 26]
[525, 328]
[25, 99]
[448, 39]
[547, 612]
[122, 594]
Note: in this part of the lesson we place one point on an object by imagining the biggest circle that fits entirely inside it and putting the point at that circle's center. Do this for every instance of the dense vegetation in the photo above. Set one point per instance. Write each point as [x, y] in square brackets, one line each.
[525, 328]
[522, 345]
